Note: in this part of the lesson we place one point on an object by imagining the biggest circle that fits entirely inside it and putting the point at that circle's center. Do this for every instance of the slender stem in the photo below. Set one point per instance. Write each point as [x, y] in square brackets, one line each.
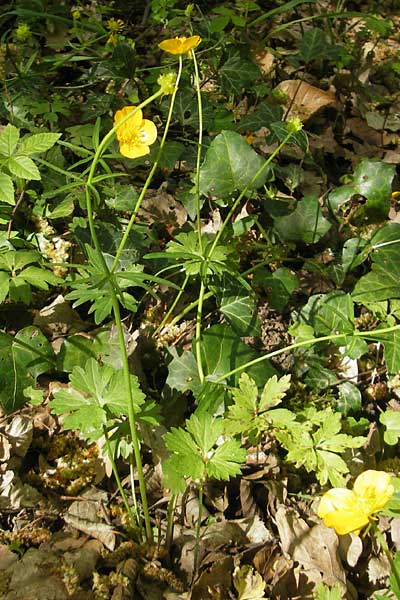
[188, 308]
[170, 522]
[150, 176]
[310, 342]
[134, 518]
[386, 550]
[116, 310]
[198, 331]
[172, 307]
[198, 531]
[199, 149]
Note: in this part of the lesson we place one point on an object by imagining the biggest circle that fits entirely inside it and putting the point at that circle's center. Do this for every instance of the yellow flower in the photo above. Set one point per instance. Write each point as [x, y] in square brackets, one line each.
[136, 134]
[180, 45]
[115, 25]
[350, 510]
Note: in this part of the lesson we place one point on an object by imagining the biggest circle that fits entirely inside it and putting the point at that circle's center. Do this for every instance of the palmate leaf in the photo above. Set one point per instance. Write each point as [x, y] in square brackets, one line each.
[194, 454]
[96, 393]
[226, 460]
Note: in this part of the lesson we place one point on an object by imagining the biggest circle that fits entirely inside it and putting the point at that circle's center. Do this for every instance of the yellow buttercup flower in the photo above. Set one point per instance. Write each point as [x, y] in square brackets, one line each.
[180, 45]
[350, 510]
[136, 134]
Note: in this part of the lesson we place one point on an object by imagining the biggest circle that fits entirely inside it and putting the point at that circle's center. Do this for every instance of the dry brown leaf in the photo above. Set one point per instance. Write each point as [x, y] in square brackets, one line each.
[265, 60]
[85, 516]
[314, 548]
[20, 433]
[304, 99]
[160, 207]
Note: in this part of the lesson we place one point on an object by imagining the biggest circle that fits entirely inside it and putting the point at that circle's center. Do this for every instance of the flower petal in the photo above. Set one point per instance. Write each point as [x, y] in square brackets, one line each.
[339, 508]
[373, 489]
[134, 149]
[180, 45]
[147, 132]
[131, 125]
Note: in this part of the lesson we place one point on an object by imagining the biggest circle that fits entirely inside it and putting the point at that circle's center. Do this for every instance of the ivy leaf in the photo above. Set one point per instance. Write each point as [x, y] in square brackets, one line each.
[306, 223]
[239, 307]
[313, 45]
[237, 73]
[21, 364]
[373, 180]
[230, 164]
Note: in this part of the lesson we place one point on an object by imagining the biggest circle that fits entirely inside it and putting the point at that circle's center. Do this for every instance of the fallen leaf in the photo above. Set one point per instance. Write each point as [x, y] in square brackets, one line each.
[84, 515]
[304, 100]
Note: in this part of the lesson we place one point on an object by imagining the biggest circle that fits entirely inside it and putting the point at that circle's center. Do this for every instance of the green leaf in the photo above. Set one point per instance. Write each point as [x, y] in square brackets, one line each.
[24, 167]
[391, 350]
[95, 395]
[6, 189]
[239, 307]
[329, 313]
[222, 350]
[8, 140]
[306, 223]
[4, 285]
[349, 399]
[391, 420]
[313, 45]
[263, 116]
[230, 164]
[205, 431]
[323, 592]
[273, 392]
[238, 73]
[373, 180]
[40, 142]
[20, 365]
[226, 460]
[393, 580]
[27, 356]
[278, 285]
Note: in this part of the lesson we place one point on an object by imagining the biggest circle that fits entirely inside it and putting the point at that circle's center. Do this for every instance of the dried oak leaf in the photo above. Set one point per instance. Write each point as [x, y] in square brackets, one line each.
[304, 100]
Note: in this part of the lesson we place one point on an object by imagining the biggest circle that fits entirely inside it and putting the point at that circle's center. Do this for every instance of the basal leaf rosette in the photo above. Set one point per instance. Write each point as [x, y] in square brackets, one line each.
[350, 510]
[180, 45]
[136, 134]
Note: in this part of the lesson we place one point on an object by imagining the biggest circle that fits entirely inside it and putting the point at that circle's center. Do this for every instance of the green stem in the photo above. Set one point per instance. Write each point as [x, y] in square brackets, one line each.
[309, 342]
[117, 315]
[198, 531]
[172, 307]
[134, 518]
[199, 149]
[150, 176]
[188, 308]
[170, 522]
[386, 550]
[198, 331]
